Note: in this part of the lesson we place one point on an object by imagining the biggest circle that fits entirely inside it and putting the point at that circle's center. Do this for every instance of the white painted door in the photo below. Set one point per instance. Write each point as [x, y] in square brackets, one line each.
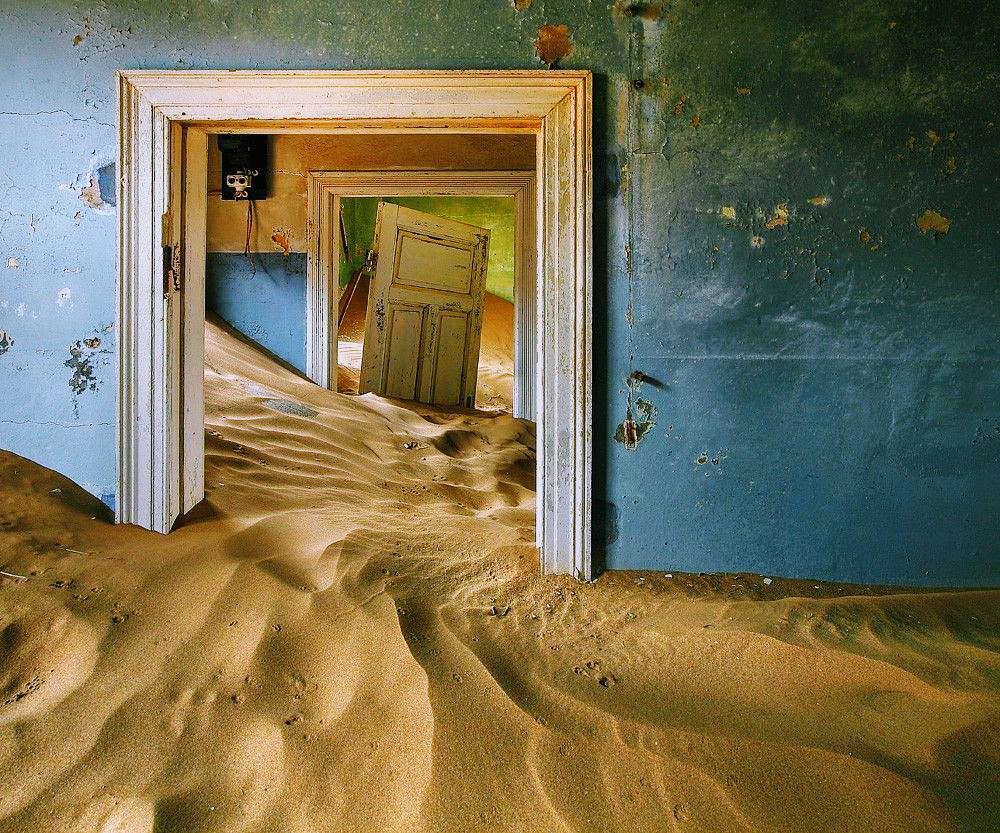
[425, 308]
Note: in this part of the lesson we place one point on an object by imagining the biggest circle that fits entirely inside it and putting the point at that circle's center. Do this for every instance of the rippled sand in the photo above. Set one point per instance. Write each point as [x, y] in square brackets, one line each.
[351, 635]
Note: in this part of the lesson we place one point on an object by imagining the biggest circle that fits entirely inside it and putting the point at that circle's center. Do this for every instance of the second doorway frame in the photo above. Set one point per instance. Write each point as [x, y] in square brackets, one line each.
[326, 189]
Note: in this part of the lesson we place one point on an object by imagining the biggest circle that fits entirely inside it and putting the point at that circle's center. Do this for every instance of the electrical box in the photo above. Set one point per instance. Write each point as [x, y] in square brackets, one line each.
[244, 167]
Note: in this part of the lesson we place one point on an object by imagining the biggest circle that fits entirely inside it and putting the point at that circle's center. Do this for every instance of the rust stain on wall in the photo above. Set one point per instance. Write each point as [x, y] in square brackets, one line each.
[280, 239]
[933, 221]
[553, 43]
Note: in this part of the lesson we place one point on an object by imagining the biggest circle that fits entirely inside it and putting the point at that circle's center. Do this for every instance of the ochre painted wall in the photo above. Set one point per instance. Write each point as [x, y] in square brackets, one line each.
[796, 240]
[281, 218]
[263, 295]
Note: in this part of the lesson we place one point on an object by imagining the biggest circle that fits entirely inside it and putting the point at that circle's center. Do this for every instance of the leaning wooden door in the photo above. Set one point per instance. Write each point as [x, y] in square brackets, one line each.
[425, 308]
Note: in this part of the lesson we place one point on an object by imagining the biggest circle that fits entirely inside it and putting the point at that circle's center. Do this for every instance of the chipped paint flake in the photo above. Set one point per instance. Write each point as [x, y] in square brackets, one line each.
[950, 165]
[632, 430]
[868, 239]
[728, 212]
[553, 43]
[756, 242]
[820, 201]
[12, 263]
[780, 217]
[743, 90]
[521, 5]
[6, 341]
[64, 296]
[280, 239]
[933, 221]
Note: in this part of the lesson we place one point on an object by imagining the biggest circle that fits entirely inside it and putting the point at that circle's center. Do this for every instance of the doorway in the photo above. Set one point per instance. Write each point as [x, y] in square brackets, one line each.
[164, 124]
[330, 192]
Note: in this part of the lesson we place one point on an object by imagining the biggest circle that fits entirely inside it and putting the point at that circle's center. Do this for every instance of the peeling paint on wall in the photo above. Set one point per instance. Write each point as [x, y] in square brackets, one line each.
[553, 43]
[6, 341]
[932, 221]
[86, 356]
[631, 430]
[779, 219]
[280, 239]
[96, 187]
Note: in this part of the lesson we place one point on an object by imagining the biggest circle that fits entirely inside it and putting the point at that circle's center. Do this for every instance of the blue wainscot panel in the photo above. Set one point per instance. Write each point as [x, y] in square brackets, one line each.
[263, 298]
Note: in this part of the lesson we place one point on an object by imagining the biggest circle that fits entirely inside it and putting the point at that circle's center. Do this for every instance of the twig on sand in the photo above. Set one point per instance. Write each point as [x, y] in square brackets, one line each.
[14, 576]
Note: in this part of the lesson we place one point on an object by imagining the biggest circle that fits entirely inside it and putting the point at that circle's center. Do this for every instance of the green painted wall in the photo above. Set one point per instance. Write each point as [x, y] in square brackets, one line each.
[493, 213]
[796, 237]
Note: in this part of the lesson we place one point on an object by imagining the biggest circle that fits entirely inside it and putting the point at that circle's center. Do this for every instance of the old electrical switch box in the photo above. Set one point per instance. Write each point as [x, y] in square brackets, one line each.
[244, 167]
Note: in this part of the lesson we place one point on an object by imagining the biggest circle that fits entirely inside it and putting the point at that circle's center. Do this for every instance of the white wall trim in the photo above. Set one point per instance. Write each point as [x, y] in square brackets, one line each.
[327, 188]
[153, 458]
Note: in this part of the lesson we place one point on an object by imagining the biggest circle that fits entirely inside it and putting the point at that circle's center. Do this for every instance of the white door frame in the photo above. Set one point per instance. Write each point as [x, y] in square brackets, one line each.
[324, 192]
[160, 448]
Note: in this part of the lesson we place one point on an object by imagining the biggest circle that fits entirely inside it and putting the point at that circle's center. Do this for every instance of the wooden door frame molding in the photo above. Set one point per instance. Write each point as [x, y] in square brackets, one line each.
[153, 467]
[325, 189]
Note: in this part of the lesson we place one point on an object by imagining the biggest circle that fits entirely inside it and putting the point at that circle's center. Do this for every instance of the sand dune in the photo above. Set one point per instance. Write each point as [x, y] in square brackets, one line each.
[351, 634]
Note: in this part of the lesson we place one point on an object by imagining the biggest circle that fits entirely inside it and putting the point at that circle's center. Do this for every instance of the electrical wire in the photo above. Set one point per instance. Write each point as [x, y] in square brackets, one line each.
[251, 215]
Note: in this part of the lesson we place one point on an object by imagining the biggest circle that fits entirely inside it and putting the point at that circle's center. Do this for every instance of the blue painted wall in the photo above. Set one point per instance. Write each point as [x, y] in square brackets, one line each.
[264, 297]
[797, 366]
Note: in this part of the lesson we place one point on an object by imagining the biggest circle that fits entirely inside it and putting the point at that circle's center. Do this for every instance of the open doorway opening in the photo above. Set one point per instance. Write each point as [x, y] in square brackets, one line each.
[166, 120]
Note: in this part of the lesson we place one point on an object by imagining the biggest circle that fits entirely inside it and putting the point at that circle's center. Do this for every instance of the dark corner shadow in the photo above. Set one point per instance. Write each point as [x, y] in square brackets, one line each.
[229, 329]
[603, 183]
[203, 512]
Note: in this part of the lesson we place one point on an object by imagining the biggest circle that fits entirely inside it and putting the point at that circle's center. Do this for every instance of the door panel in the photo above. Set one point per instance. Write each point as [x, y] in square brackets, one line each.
[452, 330]
[425, 308]
[402, 351]
[431, 263]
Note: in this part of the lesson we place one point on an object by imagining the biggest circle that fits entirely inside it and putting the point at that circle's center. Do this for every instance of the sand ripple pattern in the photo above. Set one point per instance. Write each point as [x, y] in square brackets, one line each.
[351, 634]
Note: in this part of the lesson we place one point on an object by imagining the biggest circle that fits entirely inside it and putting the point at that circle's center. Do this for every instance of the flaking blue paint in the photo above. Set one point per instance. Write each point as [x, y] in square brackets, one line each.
[842, 385]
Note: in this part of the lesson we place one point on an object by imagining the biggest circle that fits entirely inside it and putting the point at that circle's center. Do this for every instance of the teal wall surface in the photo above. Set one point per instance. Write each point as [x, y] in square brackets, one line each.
[796, 235]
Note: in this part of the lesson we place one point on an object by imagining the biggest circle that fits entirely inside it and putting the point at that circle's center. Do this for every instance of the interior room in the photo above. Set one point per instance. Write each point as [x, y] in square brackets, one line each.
[517, 416]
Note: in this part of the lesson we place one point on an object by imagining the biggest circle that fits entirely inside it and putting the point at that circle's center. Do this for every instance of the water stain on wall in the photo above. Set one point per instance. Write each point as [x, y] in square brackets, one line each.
[645, 11]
